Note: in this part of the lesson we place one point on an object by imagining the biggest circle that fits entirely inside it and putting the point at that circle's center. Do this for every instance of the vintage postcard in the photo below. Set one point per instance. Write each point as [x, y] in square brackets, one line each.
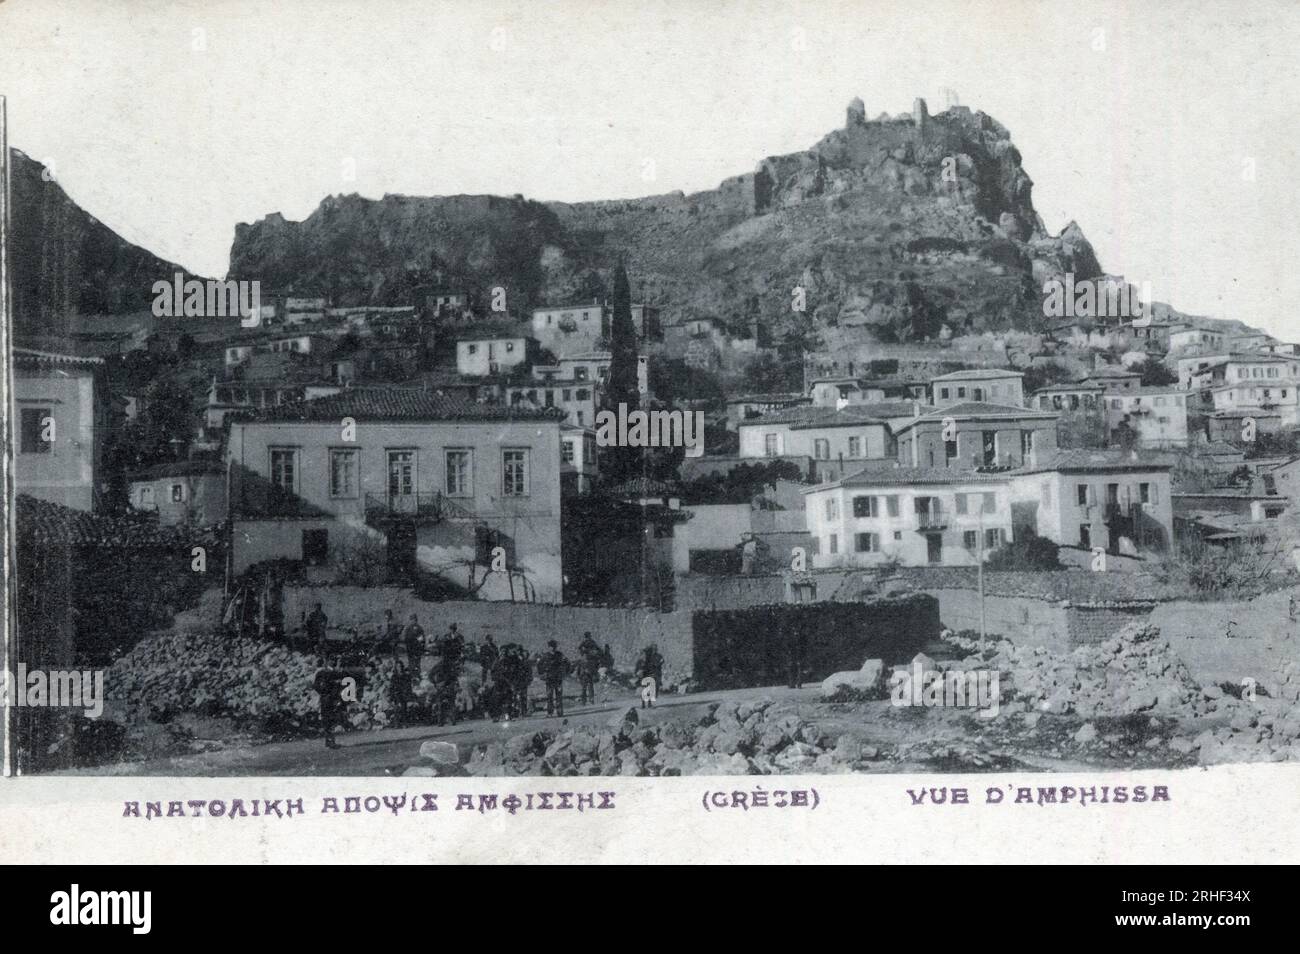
[856, 431]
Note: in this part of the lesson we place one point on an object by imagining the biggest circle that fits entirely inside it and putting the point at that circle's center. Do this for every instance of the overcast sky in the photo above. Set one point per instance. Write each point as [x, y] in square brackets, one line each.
[1167, 130]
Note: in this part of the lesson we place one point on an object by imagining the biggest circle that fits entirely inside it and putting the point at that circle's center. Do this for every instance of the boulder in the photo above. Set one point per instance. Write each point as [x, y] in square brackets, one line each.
[773, 739]
[854, 680]
[1244, 719]
[624, 717]
[847, 749]
[1086, 734]
[796, 757]
[727, 743]
[717, 764]
[440, 753]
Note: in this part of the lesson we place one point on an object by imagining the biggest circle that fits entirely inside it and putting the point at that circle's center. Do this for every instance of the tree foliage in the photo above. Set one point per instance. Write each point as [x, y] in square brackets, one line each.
[1028, 551]
[623, 356]
[741, 484]
[1041, 375]
[1155, 373]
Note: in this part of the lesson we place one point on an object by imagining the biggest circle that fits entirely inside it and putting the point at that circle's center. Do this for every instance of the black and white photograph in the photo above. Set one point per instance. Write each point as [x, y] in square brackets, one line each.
[586, 392]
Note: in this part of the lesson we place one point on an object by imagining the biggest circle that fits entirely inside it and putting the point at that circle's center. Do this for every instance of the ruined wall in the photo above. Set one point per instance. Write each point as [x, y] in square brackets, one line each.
[1093, 624]
[1056, 625]
[1023, 620]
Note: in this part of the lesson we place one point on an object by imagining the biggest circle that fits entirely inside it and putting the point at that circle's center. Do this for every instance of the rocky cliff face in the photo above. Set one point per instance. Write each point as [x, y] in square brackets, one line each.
[65, 262]
[912, 227]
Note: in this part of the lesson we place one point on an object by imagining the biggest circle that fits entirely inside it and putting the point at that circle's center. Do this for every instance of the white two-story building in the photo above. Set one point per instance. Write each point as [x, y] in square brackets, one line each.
[923, 516]
[441, 482]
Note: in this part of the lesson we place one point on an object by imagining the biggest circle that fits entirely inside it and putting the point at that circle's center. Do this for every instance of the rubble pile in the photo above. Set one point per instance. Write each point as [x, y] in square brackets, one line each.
[1260, 729]
[745, 738]
[254, 682]
[1135, 671]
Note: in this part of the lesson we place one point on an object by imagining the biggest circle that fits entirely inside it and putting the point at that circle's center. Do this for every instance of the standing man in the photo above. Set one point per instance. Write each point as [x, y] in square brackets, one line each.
[589, 660]
[488, 654]
[413, 640]
[401, 690]
[553, 667]
[451, 647]
[445, 675]
[651, 664]
[390, 635]
[521, 675]
[328, 685]
[316, 624]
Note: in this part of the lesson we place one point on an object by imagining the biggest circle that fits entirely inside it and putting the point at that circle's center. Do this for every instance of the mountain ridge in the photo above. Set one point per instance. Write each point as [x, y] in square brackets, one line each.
[66, 263]
[900, 229]
[911, 226]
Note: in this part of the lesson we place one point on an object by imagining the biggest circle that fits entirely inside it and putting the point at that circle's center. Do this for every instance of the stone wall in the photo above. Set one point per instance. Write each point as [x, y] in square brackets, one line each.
[1092, 624]
[1056, 625]
[701, 591]
[1023, 620]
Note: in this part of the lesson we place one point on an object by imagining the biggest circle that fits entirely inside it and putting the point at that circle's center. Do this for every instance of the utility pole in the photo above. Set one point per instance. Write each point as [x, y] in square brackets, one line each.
[979, 575]
[8, 658]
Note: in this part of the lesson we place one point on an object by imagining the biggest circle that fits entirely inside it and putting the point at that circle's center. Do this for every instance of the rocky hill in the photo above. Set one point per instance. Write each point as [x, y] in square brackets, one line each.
[65, 262]
[906, 225]
[910, 228]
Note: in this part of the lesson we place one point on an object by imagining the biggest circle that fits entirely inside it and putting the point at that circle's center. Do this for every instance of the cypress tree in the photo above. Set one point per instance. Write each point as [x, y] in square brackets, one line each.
[622, 367]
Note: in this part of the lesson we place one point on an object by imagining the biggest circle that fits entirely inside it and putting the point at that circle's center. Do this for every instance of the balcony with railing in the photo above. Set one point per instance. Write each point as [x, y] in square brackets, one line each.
[930, 515]
[1121, 512]
[431, 507]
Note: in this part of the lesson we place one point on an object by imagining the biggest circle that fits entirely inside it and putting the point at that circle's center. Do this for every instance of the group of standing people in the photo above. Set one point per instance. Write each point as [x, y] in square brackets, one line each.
[505, 672]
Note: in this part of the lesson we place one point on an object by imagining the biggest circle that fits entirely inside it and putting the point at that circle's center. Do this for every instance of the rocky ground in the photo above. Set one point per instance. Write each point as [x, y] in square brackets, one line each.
[1126, 702]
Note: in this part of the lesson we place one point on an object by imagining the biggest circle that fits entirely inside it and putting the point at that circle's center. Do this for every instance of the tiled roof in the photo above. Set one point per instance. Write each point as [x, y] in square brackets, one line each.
[1110, 373]
[805, 416]
[489, 331]
[1075, 386]
[573, 306]
[396, 404]
[642, 487]
[1077, 586]
[883, 473]
[1080, 458]
[976, 373]
[1215, 449]
[44, 523]
[179, 468]
[773, 398]
[33, 357]
[895, 408]
[1149, 389]
[980, 409]
[1232, 493]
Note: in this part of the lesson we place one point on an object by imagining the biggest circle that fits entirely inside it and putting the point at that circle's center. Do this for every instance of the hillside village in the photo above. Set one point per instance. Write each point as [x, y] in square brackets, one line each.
[435, 450]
